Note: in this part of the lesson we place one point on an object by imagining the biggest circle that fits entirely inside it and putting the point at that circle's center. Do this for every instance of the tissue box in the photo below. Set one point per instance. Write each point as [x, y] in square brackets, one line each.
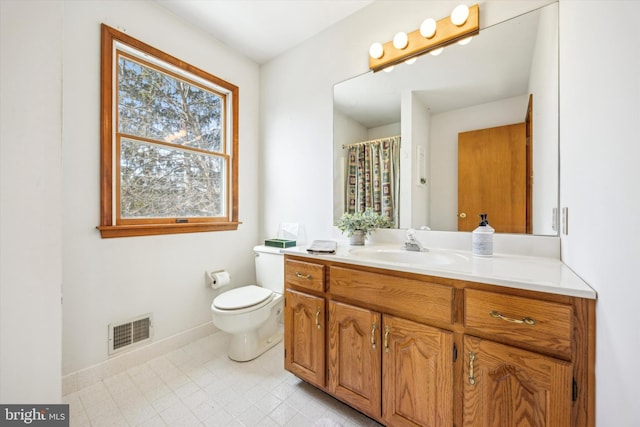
[280, 243]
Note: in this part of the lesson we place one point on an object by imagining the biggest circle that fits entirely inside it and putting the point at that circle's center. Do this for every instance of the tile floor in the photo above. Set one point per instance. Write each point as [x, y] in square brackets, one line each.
[197, 385]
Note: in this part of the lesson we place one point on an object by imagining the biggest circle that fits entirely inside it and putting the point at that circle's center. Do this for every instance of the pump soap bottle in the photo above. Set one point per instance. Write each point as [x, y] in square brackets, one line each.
[482, 238]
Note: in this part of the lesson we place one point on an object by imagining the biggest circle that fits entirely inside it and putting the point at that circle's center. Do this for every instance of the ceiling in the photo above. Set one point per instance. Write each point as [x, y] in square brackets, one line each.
[263, 29]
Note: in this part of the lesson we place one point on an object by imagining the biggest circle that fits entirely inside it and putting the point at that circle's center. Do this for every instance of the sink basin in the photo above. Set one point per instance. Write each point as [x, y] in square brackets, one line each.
[402, 256]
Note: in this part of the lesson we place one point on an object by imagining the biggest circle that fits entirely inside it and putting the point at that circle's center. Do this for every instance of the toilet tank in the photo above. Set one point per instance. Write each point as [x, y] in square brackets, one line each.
[270, 268]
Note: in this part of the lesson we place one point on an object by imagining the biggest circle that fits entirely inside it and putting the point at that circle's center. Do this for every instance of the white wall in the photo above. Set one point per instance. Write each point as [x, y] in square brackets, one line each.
[599, 152]
[110, 280]
[415, 133]
[31, 205]
[544, 85]
[50, 146]
[392, 129]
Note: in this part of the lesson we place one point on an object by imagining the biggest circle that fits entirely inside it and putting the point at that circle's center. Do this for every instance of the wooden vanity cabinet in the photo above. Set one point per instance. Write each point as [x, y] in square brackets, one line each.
[507, 386]
[305, 275]
[390, 367]
[417, 374]
[304, 319]
[354, 357]
[539, 325]
[305, 336]
[415, 350]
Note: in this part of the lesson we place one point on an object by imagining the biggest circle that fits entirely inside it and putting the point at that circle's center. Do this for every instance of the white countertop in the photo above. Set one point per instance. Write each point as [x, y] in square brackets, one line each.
[514, 271]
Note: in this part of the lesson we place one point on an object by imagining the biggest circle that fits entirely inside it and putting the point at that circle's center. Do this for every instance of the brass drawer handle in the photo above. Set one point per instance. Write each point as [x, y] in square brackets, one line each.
[525, 320]
[386, 339]
[303, 276]
[373, 335]
[318, 317]
[472, 357]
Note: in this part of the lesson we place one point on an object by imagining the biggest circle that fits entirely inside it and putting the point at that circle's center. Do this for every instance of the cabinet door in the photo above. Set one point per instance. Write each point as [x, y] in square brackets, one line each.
[354, 356]
[304, 336]
[417, 374]
[507, 386]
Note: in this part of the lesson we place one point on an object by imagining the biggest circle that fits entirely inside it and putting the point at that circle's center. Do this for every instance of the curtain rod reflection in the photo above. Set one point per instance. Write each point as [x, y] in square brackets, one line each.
[370, 141]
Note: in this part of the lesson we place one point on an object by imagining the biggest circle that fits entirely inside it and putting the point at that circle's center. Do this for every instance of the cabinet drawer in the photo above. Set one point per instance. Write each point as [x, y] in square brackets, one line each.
[423, 301]
[304, 274]
[542, 325]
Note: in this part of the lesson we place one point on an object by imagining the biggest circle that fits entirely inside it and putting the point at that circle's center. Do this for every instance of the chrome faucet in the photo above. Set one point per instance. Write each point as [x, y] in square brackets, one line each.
[412, 244]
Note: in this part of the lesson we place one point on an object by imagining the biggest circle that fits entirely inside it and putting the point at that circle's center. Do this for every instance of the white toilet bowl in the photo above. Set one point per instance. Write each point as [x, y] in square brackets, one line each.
[253, 329]
[252, 314]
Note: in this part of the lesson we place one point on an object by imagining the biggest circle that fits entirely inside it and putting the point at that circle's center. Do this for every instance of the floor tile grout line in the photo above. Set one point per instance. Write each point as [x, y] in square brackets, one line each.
[202, 363]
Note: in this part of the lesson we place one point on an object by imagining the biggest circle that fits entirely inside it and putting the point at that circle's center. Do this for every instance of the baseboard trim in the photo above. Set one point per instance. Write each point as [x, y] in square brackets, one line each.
[121, 362]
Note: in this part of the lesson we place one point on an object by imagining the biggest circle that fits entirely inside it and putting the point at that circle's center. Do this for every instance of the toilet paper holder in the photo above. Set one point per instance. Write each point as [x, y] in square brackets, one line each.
[216, 279]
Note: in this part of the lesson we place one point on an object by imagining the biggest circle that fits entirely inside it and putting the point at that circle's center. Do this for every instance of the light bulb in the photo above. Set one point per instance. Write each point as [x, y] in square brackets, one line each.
[388, 69]
[400, 40]
[411, 60]
[376, 50]
[428, 28]
[465, 41]
[460, 15]
[437, 51]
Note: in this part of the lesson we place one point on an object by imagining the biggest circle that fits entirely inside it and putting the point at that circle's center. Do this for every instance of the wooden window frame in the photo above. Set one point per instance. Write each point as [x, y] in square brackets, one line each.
[110, 226]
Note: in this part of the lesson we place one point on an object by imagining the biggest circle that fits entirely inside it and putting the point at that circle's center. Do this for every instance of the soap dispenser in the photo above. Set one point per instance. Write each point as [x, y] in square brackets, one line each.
[482, 238]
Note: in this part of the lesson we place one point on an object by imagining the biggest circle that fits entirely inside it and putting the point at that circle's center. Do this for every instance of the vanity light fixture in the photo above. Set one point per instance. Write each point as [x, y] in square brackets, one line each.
[376, 51]
[428, 28]
[463, 23]
[460, 15]
[400, 41]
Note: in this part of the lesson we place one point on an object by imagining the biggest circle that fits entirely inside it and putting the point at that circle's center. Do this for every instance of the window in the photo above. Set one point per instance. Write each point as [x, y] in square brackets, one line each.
[169, 143]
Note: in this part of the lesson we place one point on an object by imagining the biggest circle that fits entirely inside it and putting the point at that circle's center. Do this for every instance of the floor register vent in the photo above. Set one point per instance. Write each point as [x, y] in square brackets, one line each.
[124, 335]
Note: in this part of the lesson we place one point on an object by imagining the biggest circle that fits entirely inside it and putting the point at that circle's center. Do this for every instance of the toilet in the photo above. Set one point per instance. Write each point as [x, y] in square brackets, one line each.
[252, 314]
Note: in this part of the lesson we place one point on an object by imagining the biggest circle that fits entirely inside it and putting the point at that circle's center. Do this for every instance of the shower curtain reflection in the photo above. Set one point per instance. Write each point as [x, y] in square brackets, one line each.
[372, 177]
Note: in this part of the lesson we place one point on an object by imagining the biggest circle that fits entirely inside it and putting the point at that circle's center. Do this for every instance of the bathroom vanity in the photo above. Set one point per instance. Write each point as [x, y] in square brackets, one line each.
[441, 338]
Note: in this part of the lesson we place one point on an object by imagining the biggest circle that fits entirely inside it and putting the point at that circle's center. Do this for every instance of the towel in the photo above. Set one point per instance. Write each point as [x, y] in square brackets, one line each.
[323, 247]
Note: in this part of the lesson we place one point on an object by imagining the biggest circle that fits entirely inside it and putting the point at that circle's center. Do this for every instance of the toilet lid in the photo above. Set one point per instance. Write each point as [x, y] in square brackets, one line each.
[243, 297]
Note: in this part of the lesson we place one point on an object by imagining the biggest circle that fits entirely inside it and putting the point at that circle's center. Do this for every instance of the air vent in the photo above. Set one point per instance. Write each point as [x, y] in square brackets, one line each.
[125, 334]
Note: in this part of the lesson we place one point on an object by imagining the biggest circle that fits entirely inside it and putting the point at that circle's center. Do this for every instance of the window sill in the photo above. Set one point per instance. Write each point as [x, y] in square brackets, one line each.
[110, 231]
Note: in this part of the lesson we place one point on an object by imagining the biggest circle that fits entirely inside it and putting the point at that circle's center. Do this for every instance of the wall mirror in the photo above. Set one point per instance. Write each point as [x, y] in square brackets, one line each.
[487, 83]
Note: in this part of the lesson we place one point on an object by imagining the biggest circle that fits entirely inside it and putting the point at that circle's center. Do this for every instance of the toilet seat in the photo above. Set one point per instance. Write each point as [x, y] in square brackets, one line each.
[242, 298]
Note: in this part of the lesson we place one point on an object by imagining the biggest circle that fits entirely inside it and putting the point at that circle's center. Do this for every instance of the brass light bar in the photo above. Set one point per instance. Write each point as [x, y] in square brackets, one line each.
[446, 34]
